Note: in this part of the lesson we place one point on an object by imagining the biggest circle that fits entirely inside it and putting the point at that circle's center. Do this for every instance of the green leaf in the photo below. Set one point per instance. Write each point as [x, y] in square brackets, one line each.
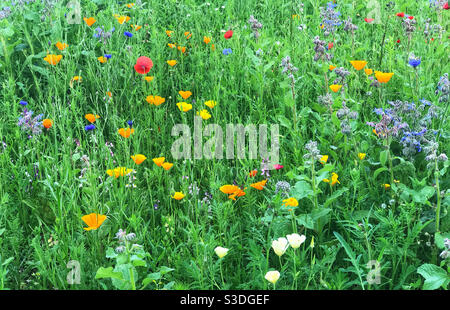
[439, 239]
[383, 157]
[435, 277]
[378, 171]
[164, 270]
[301, 190]
[108, 273]
[110, 253]
[335, 196]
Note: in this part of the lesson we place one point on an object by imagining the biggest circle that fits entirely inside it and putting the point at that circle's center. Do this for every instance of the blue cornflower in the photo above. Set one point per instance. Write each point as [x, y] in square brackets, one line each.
[227, 51]
[414, 62]
[108, 56]
[128, 34]
[89, 127]
[130, 123]
[24, 103]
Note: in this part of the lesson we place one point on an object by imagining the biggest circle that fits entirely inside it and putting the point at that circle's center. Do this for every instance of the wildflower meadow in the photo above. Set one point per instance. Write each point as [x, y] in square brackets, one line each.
[224, 145]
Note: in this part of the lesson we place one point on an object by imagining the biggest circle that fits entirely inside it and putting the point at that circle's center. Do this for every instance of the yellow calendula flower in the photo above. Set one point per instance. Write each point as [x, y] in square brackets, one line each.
[167, 166]
[159, 161]
[171, 62]
[178, 196]
[334, 179]
[185, 94]
[102, 59]
[362, 155]
[368, 71]
[53, 59]
[91, 117]
[335, 88]
[184, 106]
[358, 64]
[324, 159]
[61, 46]
[383, 77]
[290, 202]
[138, 158]
[210, 104]
[204, 114]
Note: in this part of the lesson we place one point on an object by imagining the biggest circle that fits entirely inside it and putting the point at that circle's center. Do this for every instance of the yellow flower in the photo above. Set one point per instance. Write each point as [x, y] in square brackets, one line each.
[383, 77]
[102, 59]
[138, 158]
[368, 71]
[361, 156]
[221, 252]
[331, 67]
[259, 185]
[130, 5]
[323, 159]
[295, 16]
[167, 166]
[53, 59]
[335, 88]
[229, 189]
[93, 220]
[118, 172]
[272, 276]
[136, 27]
[386, 186]
[184, 106]
[159, 161]
[291, 202]
[122, 19]
[204, 114]
[171, 45]
[61, 46]
[312, 242]
[206, 39]
[172, 62]
[185, 94]
[358, 64]
[126, 132]
[91, 117]
[211, 104]
[334, 179]
[156, 100]
[178, 196]
[149, 78]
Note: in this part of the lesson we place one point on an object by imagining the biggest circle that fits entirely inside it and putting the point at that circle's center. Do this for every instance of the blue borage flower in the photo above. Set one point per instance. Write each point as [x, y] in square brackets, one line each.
[227, 51]
[89, 127]
[128, 34]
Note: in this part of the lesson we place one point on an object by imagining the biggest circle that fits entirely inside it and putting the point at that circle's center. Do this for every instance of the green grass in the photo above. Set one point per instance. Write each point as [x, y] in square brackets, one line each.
[352, 222]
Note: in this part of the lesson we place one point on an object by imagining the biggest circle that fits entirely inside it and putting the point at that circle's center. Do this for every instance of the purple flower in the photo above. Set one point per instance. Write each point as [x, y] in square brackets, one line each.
[89, 127]
[24, 103]
[414, 62]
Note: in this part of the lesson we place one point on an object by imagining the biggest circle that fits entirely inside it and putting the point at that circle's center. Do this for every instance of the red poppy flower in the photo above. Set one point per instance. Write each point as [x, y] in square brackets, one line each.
[400, 14]
[143, 65]
[228, 34]
[410, 17]
[330, 45]
[398, 41]
[445, 7]
[368, 20]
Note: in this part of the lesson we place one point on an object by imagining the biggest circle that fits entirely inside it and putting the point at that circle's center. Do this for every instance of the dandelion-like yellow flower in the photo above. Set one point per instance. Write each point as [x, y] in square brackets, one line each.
[334, 179]
[204, 114]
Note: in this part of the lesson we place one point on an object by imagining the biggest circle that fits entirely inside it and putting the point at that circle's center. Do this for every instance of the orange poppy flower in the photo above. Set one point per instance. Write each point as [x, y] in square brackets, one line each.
[159, 161]
[89, 21]
[169, 33]
[358, 64]
[136, 27]
[206, 39]
[178, 196]
[172, 62]
[47, 123]
[61, 46]
[93, 220]
[187, 34]
[331, 67]
[182, 49]
[185, 94]
[122, 19]
[335, 88]
[119, 172]
[53, 59]
[229, 189]
[259, 185]
[383, 77]
[149, 78]
[91, 117]
[138, 158]
[368, 71]
[167, 166]
[156, 100]
[252, 173]
[126, 132]
[171, 45]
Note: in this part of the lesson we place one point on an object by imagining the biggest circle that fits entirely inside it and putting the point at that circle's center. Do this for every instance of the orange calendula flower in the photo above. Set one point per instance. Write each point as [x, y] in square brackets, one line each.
[138, 158]
[178, 196]
[358, 64]
[187, 34]
[119, 172]
[361, 156]
[53, 59]
[156, 100]
[206, 39]
[184, 106]
[334, 179]
[291, 202]
[91, 117]
[61, 46]
[167, 166]
[93, 221]
[383, 77]
[368, 71]
[204, 114]
[102, 59]
[149, 78]
[335, 88]
[171, 62]
[185, 94]
[323, 159]
[159, 161]
[259, 185]
[169, 33]
[331, 67]
[47, 123]
[125, 132]
[210, 104]
[89, 21]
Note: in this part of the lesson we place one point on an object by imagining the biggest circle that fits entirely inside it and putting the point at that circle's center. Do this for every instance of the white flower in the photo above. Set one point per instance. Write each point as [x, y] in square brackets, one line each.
[280, 246]
[221, 252]
[272, 276]
[295, 240]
